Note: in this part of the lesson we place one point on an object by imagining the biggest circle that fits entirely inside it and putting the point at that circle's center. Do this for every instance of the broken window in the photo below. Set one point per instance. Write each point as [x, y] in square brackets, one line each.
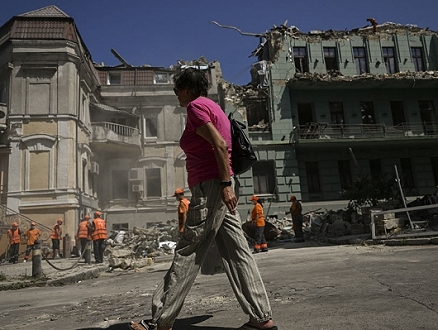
[360, 60]
[151, 127]
[344, 174]
[398, 116]
[375, 169]
[300, 60]
[114, 78]
[257, 115]
[120, 184]
[153, 182]
[417, 58]
[312, 175]
[389, 59]
[407, 179]
[305, 113]
[330, 59]
[336, 113]
[263, 177]
[367, 112]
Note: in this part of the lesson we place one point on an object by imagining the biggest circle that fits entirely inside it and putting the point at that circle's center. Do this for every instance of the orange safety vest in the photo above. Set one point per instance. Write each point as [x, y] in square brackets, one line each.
[14, 236]
[257, 216]
[32, 235]
[53, 235]
[84, 229]
[99, 231]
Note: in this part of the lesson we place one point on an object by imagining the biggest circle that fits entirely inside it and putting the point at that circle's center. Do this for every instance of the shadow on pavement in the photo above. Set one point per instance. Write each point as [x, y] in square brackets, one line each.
[180, 324]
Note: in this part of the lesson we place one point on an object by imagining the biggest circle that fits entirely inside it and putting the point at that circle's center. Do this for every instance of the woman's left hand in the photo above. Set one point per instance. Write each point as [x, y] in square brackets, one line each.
[229, 198]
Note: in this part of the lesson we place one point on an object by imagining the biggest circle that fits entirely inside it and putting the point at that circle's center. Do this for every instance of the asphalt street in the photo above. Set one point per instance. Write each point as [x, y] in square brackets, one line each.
[310, 287]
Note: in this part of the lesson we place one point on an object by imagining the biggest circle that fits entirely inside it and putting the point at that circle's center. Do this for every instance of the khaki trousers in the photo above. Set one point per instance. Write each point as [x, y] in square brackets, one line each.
[208, 220]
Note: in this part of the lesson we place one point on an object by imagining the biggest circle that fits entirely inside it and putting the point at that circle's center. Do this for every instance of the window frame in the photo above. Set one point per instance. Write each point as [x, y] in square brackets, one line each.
[301, 61]
[360, 60]
[390, 60]
[418, 59]
[153, 182]
[331, 58]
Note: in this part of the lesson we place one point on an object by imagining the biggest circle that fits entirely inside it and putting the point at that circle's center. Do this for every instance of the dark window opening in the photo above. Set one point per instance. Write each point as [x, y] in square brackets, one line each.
[114, 78]
[330, 59]
[427, 117]
[360, 60]
[407, 179]
[336, 113]
[398, 116]
[151, 127]
[305, 113]
[367, 112]
[389, 59]
[344, 174]
[153, 182]
[120, 184]
[263, 177]
[257, 115]
[312, 175]
[376, 169]
[300, 59]
[417, 58]
[434, 163]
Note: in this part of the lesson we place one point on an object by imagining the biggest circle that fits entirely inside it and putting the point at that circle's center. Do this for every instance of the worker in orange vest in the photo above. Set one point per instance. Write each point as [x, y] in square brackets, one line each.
[56, 237]
[98, 235]
[14, 242]
[84, 232]
[183, 208]
[258, 221]
[32, 234]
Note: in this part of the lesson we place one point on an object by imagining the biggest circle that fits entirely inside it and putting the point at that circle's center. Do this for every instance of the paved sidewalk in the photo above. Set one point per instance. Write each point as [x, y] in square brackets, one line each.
[54, 272]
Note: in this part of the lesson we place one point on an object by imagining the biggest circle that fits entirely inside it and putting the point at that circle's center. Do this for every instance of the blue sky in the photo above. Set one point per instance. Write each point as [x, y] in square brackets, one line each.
[160, 33]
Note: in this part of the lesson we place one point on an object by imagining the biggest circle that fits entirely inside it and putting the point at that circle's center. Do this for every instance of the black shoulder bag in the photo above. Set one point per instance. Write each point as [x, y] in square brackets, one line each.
[242, 154]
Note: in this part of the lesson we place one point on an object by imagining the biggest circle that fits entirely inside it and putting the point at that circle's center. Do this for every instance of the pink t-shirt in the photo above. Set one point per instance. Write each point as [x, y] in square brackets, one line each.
[201, 163]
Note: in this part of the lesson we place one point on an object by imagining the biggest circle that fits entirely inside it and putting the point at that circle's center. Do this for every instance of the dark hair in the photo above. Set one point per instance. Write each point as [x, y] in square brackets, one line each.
[260, 202]
[193, 79]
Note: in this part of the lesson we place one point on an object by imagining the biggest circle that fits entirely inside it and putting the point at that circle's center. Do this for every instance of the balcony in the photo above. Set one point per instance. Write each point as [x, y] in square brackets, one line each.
[325, 131]
[107, 132]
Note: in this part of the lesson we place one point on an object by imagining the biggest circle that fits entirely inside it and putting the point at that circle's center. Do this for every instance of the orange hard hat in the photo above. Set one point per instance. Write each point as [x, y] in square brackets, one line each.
[33, 223]
[253, 198]
[292, 198]
[178, 191]
[14, 224]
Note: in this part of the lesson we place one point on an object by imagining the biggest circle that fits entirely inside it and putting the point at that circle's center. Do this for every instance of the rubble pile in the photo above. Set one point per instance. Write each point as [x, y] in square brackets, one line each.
[138, 248]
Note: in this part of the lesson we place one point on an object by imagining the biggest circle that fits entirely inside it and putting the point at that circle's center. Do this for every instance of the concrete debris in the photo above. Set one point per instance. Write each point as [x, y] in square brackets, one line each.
[272, 41]
[138, 248]
[336, 76]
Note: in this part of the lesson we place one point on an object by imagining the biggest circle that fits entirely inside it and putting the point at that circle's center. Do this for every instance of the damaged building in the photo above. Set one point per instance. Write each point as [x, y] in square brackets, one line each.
[326, 106]
[78, 136]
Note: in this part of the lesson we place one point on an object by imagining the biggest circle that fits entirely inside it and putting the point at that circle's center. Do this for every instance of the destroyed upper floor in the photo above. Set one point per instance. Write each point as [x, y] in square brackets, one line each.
[380, 50]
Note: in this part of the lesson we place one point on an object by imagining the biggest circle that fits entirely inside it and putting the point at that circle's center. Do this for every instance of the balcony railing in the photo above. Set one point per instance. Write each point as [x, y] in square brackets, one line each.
[362, 131]
[106, 131]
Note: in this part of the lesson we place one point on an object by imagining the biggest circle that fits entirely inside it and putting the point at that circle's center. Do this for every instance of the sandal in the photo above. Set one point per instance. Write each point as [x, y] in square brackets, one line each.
[146, 324]
[247, 326]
